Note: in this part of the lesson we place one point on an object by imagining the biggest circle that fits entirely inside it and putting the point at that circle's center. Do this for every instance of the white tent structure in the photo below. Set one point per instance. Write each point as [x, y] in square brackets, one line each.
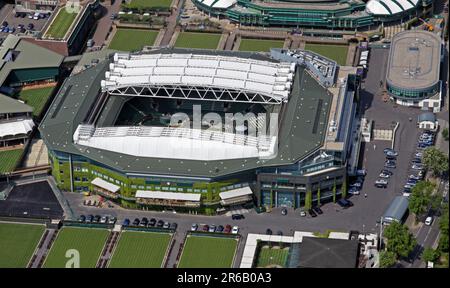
[390, 7]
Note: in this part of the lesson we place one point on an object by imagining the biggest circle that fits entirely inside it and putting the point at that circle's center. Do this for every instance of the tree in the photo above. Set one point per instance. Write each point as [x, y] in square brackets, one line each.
[387, 259]
[420, 197]
[308, 200]
[399, 240]
[435, 160]
[430, 255]
[318, 197]
[344, 189]
[443, 243]
[443, 221]
[334, 192]
[445, 134]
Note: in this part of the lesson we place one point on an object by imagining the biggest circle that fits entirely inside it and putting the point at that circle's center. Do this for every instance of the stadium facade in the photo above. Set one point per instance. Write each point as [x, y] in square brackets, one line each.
[326, 14]
[110, 129]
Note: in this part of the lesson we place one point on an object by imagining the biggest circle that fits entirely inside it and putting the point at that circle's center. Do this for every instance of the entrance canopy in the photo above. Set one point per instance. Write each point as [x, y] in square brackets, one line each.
[105, 185]
[193, 197]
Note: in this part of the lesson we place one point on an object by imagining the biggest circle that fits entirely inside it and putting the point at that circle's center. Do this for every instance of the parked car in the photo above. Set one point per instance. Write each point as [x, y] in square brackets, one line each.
[312, 213]
[227, 229]
[391, 157]
[97, 218]
[160, 223]
[235, 230]
[284, 211]
[205, 228]
[381, 183]
[82, 218]
[194, 227]
[280, 233]
[268, 231]
[89, 218]
[417, 166]
[415, 177]
[126, 222]
[136, 222]
[112, 220]
[30, 26]
[144, 222]
[418, 154]
[237, 216]
[302, 213]
[219, 229]
[90, 43]
[390, 164]
[384, 175]
[212, 228]
[354, 191]
[317, 210]
[152, 222]
[173, 226]
[166, 225]
[429, 221]
[390, 152]
[344, 203]
[104, 219]
[356, 184]
[386, 171]
[361, 172]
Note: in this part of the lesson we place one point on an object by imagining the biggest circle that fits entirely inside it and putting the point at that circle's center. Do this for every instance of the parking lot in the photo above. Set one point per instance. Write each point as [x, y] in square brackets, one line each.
[7, 15]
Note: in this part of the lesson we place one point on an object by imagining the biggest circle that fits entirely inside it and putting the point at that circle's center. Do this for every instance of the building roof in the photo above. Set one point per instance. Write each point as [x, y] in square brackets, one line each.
[390, 7]
[168, 195]
[26, 55]
[13, 128]
[326, 253]
[414, 60]
[396, 209]
[302, 131]
[270, 79]
[427, 116]
[235, 193]
[11, 105]
[220, 4]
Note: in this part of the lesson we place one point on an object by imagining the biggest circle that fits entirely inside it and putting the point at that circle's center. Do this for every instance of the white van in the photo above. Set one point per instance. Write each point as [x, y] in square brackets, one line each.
[429, 221]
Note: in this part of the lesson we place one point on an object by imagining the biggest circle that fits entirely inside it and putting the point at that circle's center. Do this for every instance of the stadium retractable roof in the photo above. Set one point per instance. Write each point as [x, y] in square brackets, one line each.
[199, 77]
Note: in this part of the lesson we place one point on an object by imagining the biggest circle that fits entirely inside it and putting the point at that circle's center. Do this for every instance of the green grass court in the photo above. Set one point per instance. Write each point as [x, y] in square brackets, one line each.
[61, 24]
[36, 98]
[259, 45]
[132, 39]
[272, 257]
[337, 53]
[140, 250]
[9, 160]
[208, 252]
[18, 242]
[198, 40]
[88, 241]
[149, 4]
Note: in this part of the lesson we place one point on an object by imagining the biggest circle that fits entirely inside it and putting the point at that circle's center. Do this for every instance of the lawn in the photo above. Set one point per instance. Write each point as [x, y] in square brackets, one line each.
[18, 242]
[259, 45]
[208, 252]
[140, 250]
[132, 39]
[36, 98]
[61, 24]
[9, 160]
[272, 257]
[197, 40]
[88, 242]
[337, 53]
[142, 4]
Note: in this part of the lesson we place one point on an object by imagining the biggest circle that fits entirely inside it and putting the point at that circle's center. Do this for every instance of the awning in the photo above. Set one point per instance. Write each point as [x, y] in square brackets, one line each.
[195, 197]
[105, 185]
[16, 128]
[235, 193]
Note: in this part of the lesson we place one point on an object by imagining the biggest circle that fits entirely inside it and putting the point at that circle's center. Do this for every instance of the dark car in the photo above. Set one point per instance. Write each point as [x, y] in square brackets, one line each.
[390, 164]
[386, 171]
[144, 222]
[5, 24]
[126, 222]
[173, 226]
[391, 157]
[237, 216]
[312, 213]
[152, 222]
[97, 218]
[136, 222]
[280, 233]
[82, 218]
[284, 211]
[112, 220]
[318, 210]
[268, 232]
[30, 26]
[219, 229]
[205, 228]
[227, 229]
[160, 223]
[89, 218]
[344, 203]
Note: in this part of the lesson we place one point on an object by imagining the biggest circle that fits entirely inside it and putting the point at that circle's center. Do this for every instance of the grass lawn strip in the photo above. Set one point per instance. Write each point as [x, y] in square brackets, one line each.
[198, 40]
[132, 39]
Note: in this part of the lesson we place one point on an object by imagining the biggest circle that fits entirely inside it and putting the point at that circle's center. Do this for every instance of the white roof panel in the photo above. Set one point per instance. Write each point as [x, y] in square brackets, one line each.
[16, 128]
[236, 193]
[105, 185]
[168, 195]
